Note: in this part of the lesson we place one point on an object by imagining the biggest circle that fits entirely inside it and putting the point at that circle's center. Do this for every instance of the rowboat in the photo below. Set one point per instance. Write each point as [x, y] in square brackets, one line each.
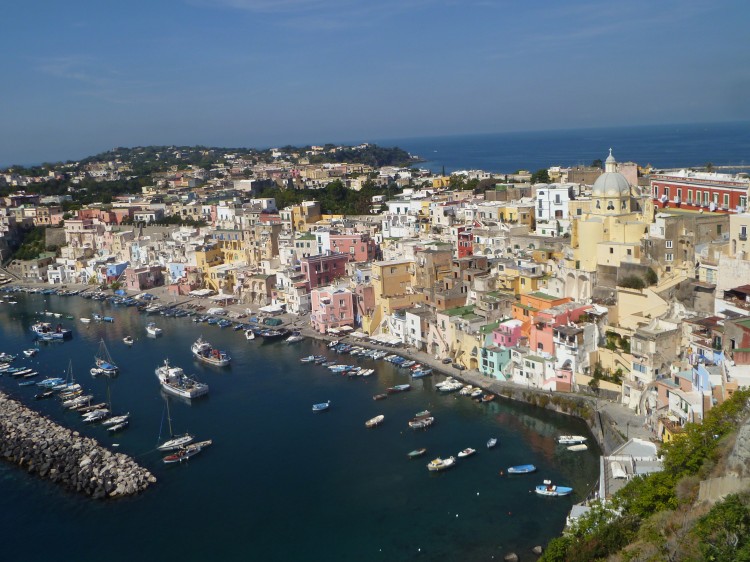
[380, 397]
[417, 453]
[488, 398]
[522, 469]
[549, 489]
[491, 442]
[439, 464]
[376, 421]
[466, 452]
[571, 439]
[398, 388]
[322, 407]
[128, 340]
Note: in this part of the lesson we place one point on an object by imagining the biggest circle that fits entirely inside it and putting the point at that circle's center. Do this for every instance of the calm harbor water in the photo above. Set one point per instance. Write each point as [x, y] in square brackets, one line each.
[282, 483]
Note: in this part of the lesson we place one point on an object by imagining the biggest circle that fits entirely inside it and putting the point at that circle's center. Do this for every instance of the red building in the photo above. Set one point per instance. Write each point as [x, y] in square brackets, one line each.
[465, 242]
[323, 269]
[700, 190]
[359, 247]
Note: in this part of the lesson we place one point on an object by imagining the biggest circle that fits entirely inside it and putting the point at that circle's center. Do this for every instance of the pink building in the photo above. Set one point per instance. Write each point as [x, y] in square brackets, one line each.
[507, 333]
[331, 309]
[359, 247]
[322, 269]
[143, 278]
[541, 336]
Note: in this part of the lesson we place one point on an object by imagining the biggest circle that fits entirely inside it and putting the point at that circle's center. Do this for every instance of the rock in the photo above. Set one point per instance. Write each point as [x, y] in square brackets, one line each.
[512, 557]
[537, 550]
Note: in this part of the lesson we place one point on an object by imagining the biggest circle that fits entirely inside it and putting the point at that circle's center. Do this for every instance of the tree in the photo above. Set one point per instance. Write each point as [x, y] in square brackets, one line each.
[597, 163]
[651, 277]
[709, 166]
[540, 176]
[632, 282]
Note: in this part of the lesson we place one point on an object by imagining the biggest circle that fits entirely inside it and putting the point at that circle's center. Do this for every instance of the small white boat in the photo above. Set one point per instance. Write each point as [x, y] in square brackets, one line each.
[439, 464]
[491, 442]
[249, 335]
[571, 439]
[30, 352]
[579, 447]
[374, 422]
[85, 320]
[153, 330]
[128, 340]
[466, 452]
[295, 337]
[176, 442]
[322, 407]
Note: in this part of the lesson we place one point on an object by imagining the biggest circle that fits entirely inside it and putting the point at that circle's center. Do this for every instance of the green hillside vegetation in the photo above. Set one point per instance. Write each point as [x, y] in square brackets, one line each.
[656, 517]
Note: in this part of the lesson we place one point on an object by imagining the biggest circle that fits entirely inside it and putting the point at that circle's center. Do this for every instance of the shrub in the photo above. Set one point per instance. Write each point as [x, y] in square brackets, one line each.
[632, 282]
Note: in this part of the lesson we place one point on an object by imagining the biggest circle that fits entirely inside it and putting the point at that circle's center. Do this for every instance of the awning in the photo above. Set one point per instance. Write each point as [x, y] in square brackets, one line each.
[358, 335]
[345, 329]
[201, 293]
[333, 331]
[271, 308]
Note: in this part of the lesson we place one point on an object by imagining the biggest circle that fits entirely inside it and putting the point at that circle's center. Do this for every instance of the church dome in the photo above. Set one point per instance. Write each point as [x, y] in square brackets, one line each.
[611, 183]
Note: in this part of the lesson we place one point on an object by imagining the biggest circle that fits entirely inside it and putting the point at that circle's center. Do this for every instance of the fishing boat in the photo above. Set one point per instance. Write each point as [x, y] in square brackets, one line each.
[466, 452]
[417, 453]
[571, 439]
[175, 381]
[522, 469]
[491, 442]
[439, 464]
[579, 447]
[271, 335]
[249, 335]
[185, 453]
[175, 441]
[103, 362]
[44, 330]
[30, 352]
[128, 340]
[322, 407]
[308, 359]
[421, 423]
[398, 388]
[295, 337]
[204, 351]
[374, 422]
[380, 397]
[153, 330]
[549, 489]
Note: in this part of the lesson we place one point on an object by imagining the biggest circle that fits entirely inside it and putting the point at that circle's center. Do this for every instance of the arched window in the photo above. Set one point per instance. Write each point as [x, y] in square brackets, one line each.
[598, 204]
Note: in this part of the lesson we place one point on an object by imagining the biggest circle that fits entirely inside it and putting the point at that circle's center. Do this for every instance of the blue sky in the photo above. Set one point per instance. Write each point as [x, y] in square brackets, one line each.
[85, 76]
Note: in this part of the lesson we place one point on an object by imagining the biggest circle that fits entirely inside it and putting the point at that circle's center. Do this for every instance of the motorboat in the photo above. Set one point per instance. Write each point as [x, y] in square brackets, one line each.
[420, 373]
[417, 453]
[116, 419]
[549, 489]
[439, 464]
[118, 426]
[488, 397]
[322, 407]
[421, 423]
[295, 337]
[128, 340]
[491, 442]
[376, 421]
[466, 452]
[174, 381]
[44, 395]
[380, 397]
[44, 330]
[522, 469]
[249, 335]
[205, 352]
[398, 388]
[571, 439]
[476, 393]
[30, 352]
[153, 330]
[85, 320]
[579, 447]
[187, 452]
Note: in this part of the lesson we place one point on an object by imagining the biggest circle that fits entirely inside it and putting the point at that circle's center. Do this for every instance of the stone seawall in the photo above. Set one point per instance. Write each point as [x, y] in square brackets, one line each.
[78, 463]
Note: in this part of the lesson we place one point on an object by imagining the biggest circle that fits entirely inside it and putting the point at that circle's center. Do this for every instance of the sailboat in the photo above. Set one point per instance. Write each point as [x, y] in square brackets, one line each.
[104, 363]
[70, 385]
[174, 442]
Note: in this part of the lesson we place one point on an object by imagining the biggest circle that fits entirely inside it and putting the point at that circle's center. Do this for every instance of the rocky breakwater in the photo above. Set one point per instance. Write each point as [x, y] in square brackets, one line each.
[78, 463]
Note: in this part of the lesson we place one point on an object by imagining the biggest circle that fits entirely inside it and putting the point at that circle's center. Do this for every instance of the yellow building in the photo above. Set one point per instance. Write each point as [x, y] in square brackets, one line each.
[300, 217]
[206, 258]
[392, 283]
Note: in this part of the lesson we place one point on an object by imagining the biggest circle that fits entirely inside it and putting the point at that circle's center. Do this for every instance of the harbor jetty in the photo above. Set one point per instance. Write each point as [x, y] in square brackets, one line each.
[78, 463]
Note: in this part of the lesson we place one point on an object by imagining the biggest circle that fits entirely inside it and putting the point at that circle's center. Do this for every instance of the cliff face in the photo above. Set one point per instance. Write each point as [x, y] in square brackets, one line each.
[738, 462]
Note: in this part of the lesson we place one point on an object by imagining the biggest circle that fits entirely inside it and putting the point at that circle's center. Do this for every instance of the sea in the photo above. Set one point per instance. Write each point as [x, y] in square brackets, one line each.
[280, 482]
[661, 146]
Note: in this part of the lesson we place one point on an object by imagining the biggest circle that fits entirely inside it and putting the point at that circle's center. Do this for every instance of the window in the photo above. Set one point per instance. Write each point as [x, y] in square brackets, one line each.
[669, 257]
[718, 229]
[679, 195]
[611, 250]
[668, 243]
[655, 190]
[705, 197]
[630, 252]
[743, 201]
[690, 196]
[579, 211]
[726, 200]
[557, 199]
[666, 193]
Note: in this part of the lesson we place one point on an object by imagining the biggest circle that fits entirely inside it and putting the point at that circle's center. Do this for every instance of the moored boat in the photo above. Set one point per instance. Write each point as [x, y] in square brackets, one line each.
[439, 464]
[128, 340]
[488, 397]
[175, 381]
[373, 422]
[186, 452]
[571, 439]
[295, 337]
[579, 447]
[466, 452]
[522, 469]
[491, 442]
[421, 423]
[104, 365]
[44, 330]
[380, 397]
[30, 352]
[549, 489]
[398, 388]
[205, 352]
[322, 407]
[417, 453]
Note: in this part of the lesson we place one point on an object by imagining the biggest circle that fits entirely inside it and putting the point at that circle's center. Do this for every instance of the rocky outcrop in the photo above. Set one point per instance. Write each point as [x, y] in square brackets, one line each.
[738, 462]
[78, 463]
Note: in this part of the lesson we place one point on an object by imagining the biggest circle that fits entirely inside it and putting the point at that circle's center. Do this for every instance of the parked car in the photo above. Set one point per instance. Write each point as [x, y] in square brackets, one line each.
[458, 366]
[446, 360]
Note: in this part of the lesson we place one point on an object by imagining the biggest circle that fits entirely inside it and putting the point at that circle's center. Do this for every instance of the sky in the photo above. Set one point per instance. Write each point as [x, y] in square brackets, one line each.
[84, 76]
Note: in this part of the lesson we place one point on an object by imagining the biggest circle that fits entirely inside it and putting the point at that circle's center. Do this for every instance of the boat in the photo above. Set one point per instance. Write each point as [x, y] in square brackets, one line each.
[376, 421]
[249, 335]
[103, 362]
[117, 419]
[175, 381]
[85, 320]
[417, 453]
[466, 452]
[118, 426]
[295, 337]
[153, 330]
[423, 414]
[421, 423]
[204, 351]
[398, 388]
[271, 335]
[174, 442]
[185, 453]
[322, 407]
[30, 352]
[549, 489]
[488, 398]
[522, 469]
[571, 439]
[308, 359]
[26, 383]
[380, 397]
[491, 442]
[476, 393]
[367, 372]
[439, 464]
[44, 395]
[579, 447]
[96, 415]
[44, 330]
[128, 340]
[419, 373]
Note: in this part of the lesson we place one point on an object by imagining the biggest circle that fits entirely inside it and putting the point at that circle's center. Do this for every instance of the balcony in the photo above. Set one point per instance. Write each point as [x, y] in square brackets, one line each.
[743, 236]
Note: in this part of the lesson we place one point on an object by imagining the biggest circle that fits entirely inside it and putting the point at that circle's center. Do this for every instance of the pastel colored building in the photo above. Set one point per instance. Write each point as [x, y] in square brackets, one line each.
[323, 269]
[331, 308]
[359, 247]
[493, 359]
[507, 333]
